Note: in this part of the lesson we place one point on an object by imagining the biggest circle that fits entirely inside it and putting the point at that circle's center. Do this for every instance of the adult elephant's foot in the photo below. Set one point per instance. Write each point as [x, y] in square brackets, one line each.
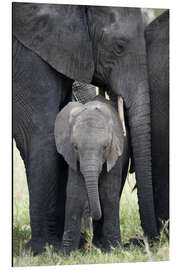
[108, 244]
[36, 246]
[135, 242]
[55, 244]
[140, 242]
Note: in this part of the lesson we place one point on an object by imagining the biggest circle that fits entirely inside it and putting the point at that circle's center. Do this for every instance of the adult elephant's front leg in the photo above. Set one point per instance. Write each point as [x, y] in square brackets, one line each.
[38, 93]
[43, 173]
[46, 176]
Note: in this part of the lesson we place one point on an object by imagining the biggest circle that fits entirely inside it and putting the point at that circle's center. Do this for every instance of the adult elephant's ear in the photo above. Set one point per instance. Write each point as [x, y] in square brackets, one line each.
[62, 132]
[58, 34]
[117, 142]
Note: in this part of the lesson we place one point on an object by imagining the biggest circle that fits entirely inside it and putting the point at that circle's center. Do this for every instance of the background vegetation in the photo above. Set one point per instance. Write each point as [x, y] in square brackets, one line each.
[158, 11]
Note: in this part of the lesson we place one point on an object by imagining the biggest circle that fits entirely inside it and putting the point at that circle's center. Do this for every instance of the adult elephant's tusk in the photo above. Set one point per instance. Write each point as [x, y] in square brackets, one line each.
[121, 113]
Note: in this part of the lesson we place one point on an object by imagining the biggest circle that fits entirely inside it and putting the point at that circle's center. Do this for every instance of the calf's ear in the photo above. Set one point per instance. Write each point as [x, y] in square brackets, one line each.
[62, 132]
[117, 142]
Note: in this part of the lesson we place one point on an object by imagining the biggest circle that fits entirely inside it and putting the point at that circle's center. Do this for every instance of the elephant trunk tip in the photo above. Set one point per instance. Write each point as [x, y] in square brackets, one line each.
[96, 215]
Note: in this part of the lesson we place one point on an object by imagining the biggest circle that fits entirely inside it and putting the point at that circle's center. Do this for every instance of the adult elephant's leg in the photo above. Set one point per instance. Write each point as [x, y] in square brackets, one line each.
[38, 93]
[107, 230]
[157, 44]
[75, 201]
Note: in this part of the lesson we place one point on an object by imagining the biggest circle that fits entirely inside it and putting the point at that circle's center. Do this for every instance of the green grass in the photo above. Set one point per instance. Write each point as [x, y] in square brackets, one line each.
[158, 11]
[130, 228]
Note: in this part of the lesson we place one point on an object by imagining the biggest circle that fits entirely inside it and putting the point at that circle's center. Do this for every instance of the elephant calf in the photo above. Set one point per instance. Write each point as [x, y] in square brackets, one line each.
[90, 138]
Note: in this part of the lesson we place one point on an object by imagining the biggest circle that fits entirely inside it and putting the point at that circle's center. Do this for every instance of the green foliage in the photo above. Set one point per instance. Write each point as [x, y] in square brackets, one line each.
[158, 11]
[130, 228]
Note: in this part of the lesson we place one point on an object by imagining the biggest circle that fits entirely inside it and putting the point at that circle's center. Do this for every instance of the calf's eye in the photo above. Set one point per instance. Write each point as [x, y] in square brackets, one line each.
[120, 46]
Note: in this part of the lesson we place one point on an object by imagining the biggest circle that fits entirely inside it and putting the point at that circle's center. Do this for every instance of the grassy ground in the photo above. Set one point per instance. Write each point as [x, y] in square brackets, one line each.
[130, 227]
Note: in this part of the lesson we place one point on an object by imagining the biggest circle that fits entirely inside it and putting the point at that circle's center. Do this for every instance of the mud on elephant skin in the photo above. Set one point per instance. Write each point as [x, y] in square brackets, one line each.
[54, 45]
[93, 144]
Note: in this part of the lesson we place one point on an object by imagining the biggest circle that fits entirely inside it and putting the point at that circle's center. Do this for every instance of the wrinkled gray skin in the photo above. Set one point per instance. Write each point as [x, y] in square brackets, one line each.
[92, 143]
[157, 43]
[53, 45]
[83, 92]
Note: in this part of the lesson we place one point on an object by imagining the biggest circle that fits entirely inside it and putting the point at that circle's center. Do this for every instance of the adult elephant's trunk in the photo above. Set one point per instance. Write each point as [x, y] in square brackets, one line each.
[139, 122]
[91, 174]
[129, 80]
[138, 114]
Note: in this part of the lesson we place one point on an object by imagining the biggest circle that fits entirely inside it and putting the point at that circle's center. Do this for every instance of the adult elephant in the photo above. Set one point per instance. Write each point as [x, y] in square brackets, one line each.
[53, 45]
[157, 43]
